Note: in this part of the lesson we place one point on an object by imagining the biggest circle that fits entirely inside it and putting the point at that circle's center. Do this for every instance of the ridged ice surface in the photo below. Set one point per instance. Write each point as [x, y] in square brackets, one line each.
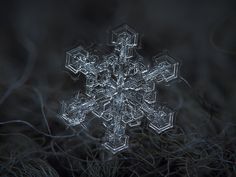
[120, 88]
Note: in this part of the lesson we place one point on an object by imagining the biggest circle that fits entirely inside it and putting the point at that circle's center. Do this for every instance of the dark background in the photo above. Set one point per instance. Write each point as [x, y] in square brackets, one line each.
[34, 36]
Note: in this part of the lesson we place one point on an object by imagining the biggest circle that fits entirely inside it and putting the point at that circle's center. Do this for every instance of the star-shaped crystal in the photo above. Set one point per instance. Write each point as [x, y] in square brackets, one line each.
[120, 88]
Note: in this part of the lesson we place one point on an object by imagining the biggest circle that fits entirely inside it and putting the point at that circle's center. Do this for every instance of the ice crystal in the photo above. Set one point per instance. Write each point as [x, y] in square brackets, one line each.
[120, 88]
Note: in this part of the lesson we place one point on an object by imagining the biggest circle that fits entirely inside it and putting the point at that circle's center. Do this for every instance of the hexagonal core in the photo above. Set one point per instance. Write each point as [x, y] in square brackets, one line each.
[125, 28]
[169, 67]
[155, 125]
[172, 73]
[117, 145]
[75, 59]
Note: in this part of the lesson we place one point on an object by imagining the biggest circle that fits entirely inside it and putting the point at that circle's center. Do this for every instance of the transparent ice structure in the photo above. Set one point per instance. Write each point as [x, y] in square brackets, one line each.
[120, 88]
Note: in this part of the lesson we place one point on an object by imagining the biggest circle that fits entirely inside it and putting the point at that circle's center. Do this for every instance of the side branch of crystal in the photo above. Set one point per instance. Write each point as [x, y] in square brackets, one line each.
[120, 88]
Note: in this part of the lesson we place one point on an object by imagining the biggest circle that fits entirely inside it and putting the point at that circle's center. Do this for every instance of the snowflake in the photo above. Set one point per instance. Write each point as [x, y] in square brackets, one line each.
[120, 88]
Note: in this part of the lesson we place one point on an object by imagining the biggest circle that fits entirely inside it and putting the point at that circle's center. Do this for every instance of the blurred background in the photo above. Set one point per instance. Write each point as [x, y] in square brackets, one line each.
[34, 36]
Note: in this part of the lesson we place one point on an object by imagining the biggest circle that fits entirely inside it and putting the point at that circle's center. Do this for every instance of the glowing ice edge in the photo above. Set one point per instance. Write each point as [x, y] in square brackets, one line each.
[120, 89]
